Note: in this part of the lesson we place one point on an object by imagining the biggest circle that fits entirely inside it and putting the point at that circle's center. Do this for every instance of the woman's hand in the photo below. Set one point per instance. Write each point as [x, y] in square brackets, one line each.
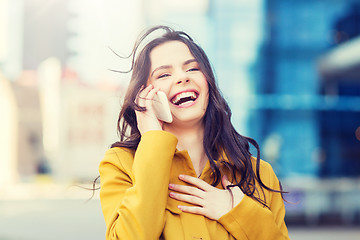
[210, 201]
[147, 120]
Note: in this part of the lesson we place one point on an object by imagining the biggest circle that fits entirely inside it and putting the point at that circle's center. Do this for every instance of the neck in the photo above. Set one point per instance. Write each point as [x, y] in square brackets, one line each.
[191, 139]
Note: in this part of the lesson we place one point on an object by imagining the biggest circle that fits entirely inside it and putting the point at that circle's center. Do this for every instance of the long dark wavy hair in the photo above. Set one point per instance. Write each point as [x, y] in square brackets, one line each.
[220, 136]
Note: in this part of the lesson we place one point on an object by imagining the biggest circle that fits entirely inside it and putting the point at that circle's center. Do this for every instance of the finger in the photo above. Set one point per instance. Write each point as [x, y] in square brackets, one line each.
[148, 99]
[194, 191]
[193, 209]
[196, 182]
[143, 94]
[144, 91]
[152, 93]
[225, 181]
[187, 198]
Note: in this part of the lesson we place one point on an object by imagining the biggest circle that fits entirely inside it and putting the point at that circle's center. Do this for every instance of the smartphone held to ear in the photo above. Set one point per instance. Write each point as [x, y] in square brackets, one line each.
[161, 107]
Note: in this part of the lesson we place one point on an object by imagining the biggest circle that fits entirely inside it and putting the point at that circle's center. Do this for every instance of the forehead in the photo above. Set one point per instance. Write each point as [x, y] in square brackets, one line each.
[169, 53]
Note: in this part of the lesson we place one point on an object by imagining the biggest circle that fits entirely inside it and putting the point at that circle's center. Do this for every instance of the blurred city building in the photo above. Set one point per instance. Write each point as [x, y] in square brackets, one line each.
[64, 100]
[8, 134]
[29, 145]
[339, 128]
[69, 147]
[316, 116]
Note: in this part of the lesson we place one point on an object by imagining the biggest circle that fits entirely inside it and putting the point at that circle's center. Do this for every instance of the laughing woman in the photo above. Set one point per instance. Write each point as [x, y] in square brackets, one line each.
[193, 178]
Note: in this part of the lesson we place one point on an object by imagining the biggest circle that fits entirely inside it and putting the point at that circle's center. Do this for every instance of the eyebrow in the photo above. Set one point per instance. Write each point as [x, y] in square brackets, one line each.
[169, 66]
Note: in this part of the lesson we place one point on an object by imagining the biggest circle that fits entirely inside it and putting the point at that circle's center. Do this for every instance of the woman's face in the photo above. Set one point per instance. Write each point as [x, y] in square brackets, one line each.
[176, 72]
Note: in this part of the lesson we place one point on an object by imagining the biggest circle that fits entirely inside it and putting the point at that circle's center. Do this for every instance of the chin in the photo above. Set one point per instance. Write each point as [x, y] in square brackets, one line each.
[189, 119]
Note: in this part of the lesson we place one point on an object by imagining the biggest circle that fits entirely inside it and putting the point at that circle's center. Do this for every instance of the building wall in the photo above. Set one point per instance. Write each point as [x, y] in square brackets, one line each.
[237, 34]
[45, 25]
[338, 127]
[9, 134]
[88, 127]
[265, 55]
[297, 33]
[30, 147]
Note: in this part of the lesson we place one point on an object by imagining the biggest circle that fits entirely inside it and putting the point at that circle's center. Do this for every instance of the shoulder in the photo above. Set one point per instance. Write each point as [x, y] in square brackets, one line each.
[268, 178]
[267, 174]
[119, 151]
[119, 157]
[264, 166]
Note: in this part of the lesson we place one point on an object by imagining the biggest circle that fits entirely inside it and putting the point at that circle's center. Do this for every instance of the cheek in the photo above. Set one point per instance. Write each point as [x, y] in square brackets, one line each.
[203, 82]
[206, 101]
[205, 86]
[206, 89]
[163, 85]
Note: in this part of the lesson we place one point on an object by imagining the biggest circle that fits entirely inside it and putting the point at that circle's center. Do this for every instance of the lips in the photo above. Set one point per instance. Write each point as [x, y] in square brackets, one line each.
[184, 97]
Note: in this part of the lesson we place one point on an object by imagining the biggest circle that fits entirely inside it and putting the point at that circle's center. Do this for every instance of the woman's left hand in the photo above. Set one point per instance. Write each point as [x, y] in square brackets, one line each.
[210, 201]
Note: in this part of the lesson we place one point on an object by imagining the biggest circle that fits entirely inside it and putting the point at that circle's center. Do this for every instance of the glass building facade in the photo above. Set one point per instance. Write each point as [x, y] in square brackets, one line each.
[268, 71]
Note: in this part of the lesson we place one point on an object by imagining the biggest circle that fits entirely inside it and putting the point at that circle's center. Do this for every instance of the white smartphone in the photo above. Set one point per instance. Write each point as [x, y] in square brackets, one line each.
[161, 107]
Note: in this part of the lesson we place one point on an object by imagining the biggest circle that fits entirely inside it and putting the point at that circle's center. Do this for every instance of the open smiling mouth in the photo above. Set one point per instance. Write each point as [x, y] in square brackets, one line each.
[184, 98]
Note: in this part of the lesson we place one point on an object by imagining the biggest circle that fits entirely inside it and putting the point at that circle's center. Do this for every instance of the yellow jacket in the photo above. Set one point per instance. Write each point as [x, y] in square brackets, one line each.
[136, 204]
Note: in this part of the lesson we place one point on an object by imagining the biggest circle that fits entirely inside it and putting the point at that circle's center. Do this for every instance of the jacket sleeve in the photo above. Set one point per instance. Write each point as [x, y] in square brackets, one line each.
[251, 220]
[133, 196]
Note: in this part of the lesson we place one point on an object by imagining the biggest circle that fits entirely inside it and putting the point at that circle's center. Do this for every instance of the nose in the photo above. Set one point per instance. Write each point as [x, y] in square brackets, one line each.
[181, 81]
[182, 78]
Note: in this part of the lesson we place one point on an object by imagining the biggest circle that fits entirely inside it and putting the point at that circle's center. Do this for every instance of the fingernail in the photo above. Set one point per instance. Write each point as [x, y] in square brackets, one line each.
[171, 185]
[172, 194]
[181, 176]
[180, 207]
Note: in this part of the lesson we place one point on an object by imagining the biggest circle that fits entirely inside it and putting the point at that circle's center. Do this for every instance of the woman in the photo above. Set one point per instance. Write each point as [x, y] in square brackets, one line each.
[193, 178]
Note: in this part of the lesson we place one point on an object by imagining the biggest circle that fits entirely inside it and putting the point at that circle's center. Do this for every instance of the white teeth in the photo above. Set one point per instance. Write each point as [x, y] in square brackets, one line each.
[183, 95]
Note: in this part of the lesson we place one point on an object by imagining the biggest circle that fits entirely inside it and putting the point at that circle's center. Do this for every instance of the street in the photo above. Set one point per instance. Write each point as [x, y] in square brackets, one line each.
[74, 219]
[51, 220]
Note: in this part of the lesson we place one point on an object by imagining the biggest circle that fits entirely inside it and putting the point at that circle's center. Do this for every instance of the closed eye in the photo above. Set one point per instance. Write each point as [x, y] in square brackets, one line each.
[193, 69]
[164, 75]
